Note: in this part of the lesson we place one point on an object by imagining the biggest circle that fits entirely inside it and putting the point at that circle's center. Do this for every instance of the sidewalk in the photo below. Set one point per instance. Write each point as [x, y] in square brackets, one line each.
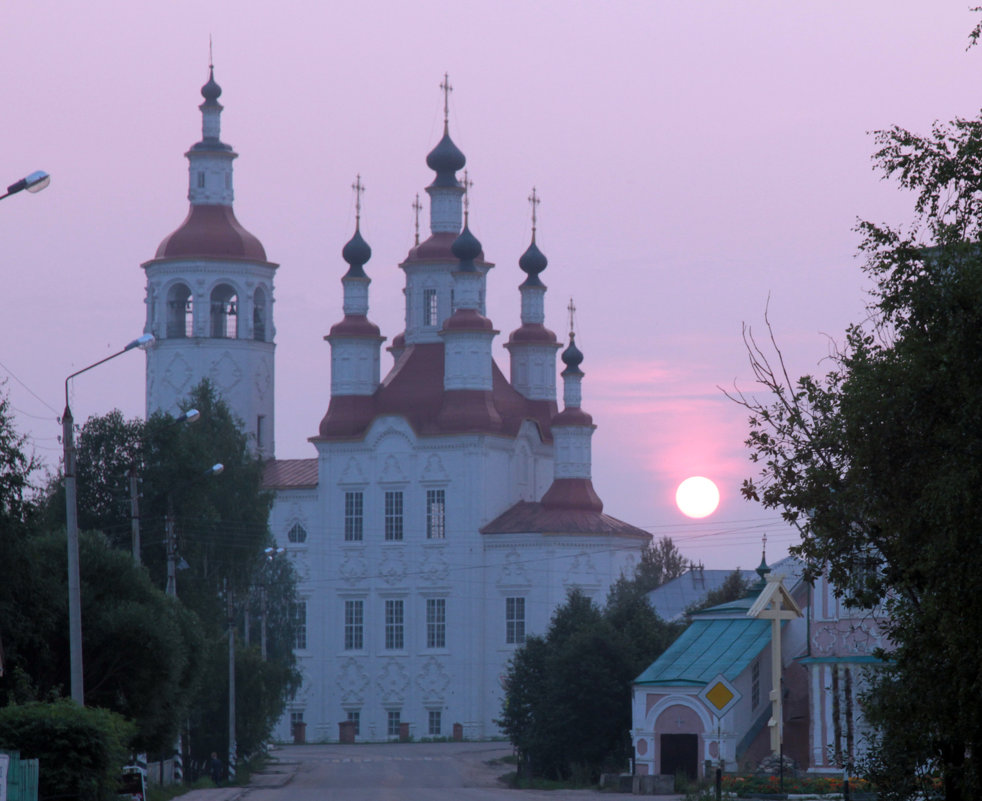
[277, 773]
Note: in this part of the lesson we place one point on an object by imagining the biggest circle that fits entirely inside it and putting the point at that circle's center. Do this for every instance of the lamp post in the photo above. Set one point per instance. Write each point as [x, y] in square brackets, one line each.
[71, 520]
[34, 182]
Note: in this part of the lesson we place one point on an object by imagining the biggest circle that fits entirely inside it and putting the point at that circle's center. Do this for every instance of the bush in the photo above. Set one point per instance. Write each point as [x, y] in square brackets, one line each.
[80, 749]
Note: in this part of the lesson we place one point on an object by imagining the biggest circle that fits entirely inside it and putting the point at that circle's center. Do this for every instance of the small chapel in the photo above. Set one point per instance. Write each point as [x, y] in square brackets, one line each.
[446, 509]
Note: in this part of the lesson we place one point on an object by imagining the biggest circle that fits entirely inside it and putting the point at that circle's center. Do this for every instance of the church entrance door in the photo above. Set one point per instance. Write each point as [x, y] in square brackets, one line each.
[680, 754]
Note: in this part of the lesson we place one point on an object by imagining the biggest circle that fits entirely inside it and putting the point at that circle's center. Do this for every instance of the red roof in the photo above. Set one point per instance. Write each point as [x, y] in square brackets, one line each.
[355, 325]
[211, 230]
[532, 332]
[527, 517]
[437, 248]
[290, 474]
[572, 493]
[413, 389]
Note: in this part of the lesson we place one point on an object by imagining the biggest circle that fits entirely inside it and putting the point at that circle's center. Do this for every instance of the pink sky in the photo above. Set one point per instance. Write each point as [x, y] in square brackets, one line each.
[693, 159]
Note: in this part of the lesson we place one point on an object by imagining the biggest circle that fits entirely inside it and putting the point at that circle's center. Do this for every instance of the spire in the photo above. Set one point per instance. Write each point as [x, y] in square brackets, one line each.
[356, 251]
[572, 430]
[446, 158]
[533, 261]
[417, 208]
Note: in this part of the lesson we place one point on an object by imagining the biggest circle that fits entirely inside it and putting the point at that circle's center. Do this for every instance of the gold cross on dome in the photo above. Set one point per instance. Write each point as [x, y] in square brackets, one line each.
[534, 200]
[447, 89]
[359, 188]
[417, 207]
[572, 312]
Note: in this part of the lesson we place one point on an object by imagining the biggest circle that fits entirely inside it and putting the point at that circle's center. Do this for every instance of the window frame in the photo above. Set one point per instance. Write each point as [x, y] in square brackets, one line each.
[436, 514]
[394, 513]
[354, 624]
[395, 624]
[354, 516]
[436, 622]
[515, 622]
[300, 617]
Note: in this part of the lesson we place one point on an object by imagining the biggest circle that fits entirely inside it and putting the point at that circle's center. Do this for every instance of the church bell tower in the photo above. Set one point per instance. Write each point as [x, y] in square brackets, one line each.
[209, 295]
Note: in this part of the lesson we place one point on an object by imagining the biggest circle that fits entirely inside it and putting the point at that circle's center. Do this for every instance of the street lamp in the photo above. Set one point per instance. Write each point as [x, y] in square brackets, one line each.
[34, 182]
[71, 520]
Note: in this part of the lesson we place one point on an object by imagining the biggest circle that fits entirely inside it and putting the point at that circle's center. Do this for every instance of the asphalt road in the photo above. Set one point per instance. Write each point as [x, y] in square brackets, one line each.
[399, 772]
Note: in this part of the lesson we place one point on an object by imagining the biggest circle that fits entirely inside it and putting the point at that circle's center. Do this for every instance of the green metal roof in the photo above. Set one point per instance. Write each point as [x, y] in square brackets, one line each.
[708, 648]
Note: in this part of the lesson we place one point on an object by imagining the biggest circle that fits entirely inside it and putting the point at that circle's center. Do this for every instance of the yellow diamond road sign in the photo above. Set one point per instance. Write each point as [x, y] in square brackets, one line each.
[720, 695]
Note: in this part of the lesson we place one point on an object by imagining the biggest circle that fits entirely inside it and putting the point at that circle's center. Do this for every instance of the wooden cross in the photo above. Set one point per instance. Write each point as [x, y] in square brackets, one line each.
[535, 201]
[359, 190]
[416, 209]
[447, 89]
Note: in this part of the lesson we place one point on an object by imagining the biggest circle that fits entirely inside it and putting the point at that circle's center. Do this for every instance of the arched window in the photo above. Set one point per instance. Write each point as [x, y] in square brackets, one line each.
[180, 312]
[224, 312]
[259, 315]
[297, 533]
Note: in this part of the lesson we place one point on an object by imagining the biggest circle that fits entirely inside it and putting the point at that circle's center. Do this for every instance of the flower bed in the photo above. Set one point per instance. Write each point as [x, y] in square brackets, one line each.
[745, 786]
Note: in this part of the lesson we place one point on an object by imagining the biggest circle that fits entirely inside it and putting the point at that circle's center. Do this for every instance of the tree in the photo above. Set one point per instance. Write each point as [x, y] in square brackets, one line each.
[735, 586]
[220, 522]
[141, 648]
[878, 463]
[567, 705]
[80, 748]
[660, 562]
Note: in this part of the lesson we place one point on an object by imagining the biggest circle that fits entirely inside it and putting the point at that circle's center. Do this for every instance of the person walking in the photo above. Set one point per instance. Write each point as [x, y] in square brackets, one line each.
[215, 769]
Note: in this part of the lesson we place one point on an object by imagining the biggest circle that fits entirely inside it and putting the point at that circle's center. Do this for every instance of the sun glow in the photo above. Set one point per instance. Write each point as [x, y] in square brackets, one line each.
[697, 497]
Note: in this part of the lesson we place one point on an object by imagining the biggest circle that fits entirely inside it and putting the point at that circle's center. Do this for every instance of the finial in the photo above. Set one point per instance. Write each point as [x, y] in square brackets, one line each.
[211, 57]
[763, 547]
[572, 312]
[534, 201]
[359, 190]
[468, 183]
[447, 89]
[416, 209]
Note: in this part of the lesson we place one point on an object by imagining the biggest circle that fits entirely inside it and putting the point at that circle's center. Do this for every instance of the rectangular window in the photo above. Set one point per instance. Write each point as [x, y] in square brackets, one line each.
[300, 616]
[514, 621]
[259, 431]
[429, 307]
[393, 516]
[354, 715]
[354, 625]
[394, 625]
[393, 728]
[296, 717]
[434, 729]
[354, 516]
[201, 180]
[436, 622]
[436, 504]
[755, 685]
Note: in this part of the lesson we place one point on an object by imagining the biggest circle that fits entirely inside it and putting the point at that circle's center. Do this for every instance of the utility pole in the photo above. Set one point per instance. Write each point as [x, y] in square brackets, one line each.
[74, 580]
[231, 684]
[135, 513]
[262, 630]
[171, 548]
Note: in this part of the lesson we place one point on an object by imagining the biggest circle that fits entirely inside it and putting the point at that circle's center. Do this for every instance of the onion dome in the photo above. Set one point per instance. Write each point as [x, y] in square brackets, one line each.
[466, 247]
[211, 91]
[532, 262]
[445, 159]
[571, 358]
[356, 253]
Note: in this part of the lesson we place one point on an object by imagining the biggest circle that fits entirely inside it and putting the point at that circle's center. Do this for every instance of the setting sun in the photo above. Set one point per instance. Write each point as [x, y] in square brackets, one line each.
[697, 497]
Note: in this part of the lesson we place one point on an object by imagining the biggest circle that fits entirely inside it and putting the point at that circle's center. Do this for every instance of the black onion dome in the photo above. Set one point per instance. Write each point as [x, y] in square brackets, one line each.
[533, 262]
[445, 159]
[357, 253]
[571, 358]
[211, 91]
[466, 247]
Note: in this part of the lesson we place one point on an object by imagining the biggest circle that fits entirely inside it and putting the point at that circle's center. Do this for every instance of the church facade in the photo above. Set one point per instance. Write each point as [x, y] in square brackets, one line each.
[449, 509]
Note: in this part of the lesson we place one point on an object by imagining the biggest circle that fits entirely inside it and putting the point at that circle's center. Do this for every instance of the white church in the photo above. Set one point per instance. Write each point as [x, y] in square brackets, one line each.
[446, 510]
